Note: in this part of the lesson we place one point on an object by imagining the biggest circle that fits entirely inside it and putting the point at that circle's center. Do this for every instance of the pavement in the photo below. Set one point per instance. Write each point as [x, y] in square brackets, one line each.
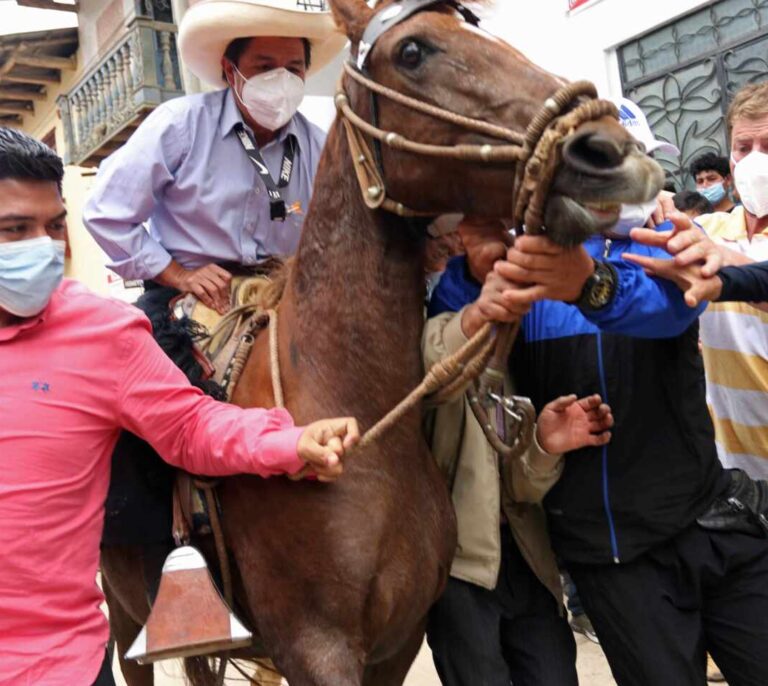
[590, 662]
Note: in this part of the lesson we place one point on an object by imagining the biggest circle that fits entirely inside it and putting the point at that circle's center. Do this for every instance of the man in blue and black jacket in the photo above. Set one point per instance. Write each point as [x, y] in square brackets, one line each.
[659, 588]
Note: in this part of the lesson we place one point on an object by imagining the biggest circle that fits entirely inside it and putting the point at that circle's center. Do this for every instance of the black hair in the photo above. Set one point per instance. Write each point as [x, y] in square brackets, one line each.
[237, 47]
[710, 161]
[670, 185]
[691, 200]
[24, 157]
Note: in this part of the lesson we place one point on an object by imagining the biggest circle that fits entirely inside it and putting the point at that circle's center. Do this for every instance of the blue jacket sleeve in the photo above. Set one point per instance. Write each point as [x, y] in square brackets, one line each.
[455, 289]
[643, 306]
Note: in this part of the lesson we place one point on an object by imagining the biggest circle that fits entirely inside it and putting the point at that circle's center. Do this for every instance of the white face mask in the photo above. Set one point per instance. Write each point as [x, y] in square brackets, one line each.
[751, 178]
[271, 98]
[633, 217]
[30, 271]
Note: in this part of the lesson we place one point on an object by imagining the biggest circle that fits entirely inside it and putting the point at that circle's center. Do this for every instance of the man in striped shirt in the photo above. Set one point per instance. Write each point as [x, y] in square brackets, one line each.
[734, 335]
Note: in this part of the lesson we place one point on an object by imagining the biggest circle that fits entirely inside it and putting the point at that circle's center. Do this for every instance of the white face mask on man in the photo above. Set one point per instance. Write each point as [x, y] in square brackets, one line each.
[750, 174]
[271, 98]
[632, 217]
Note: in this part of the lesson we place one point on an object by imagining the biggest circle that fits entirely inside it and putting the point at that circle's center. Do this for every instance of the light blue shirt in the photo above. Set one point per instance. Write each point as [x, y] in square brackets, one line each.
[182, 187]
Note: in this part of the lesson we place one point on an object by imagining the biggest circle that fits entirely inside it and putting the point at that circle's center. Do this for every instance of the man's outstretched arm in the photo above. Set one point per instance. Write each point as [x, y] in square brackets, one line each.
[203, 436]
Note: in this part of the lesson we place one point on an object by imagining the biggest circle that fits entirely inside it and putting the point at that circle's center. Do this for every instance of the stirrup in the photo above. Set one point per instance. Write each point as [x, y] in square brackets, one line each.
[189, 616]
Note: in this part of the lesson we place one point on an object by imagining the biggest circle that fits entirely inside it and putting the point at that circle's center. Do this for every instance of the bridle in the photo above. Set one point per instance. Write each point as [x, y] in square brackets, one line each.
[536, 154]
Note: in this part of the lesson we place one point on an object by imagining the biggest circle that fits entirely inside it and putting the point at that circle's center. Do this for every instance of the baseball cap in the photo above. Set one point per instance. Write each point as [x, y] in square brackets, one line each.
[632, 118]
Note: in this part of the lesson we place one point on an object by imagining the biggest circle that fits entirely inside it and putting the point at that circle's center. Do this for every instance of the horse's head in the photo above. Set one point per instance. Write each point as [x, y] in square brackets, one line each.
[437, 56]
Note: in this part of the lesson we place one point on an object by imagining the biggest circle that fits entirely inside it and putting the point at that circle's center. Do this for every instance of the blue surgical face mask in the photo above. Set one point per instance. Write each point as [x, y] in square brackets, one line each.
[714, 193]
[30, 271]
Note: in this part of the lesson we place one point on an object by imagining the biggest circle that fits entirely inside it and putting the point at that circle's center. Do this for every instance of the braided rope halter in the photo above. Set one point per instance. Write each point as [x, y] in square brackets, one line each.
[536, 155]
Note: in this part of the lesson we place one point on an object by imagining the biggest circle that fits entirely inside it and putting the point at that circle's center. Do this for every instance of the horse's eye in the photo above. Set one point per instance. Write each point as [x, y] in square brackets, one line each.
[411, 54]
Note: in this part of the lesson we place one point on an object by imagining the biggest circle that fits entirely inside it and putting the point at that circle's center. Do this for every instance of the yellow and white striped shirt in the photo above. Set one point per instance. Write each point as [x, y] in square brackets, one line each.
[735, 344]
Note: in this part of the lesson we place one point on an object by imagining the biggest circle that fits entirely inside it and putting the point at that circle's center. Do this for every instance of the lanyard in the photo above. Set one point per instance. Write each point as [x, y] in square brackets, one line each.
[277, 208]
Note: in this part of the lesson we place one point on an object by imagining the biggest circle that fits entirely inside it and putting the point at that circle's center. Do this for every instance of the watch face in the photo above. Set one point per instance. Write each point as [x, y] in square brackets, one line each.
[602, 286]
[601, 293]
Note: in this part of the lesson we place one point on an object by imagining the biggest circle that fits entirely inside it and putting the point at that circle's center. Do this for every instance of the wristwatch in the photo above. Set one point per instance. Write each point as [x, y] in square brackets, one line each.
[599, 288]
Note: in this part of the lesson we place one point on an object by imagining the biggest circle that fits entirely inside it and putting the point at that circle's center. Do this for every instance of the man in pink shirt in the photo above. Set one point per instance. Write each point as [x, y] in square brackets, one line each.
[77, 369]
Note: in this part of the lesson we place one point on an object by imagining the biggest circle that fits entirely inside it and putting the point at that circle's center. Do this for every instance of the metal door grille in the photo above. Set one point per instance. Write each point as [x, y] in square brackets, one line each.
[684, 74]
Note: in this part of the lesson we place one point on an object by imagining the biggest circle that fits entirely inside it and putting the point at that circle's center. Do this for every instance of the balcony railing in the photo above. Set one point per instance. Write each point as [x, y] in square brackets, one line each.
[135, 76]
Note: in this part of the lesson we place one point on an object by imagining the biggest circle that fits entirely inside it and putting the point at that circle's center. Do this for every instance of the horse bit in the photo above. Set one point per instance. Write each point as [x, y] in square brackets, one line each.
[536, 155]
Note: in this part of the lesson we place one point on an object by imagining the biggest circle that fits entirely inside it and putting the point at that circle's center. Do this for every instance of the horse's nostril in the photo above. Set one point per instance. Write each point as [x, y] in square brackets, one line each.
[593, 152]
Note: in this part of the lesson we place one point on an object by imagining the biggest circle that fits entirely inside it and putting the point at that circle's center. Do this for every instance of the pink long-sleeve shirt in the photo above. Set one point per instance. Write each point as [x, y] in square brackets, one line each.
[70, 380]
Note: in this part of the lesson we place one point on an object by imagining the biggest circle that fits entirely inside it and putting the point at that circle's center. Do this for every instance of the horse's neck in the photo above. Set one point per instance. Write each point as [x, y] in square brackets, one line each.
[353, 306]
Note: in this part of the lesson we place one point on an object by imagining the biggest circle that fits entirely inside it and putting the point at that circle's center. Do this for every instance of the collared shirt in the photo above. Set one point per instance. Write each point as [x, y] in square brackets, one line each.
[71, 379]
[185, 177]
[734, 337]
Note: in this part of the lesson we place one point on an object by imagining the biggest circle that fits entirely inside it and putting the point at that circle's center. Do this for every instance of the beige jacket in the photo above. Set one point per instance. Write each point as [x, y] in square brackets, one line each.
[479, 490]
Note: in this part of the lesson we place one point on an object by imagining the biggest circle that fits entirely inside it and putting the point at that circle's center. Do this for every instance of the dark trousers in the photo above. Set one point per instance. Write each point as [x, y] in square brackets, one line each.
[516, 632]
[104, 677]
[658, 615]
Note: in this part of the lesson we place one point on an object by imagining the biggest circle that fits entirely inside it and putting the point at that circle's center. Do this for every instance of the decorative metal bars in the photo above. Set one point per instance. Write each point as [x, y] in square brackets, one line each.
[313, 5]
[685, 73]
[137, 74]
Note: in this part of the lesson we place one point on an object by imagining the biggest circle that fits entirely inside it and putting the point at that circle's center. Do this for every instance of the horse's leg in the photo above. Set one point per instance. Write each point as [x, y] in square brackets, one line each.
[122, 579]
[319, 658]
[392, 671]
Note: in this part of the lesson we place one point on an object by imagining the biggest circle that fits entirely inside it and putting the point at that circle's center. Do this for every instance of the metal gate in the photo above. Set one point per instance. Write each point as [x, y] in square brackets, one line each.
[684, 74]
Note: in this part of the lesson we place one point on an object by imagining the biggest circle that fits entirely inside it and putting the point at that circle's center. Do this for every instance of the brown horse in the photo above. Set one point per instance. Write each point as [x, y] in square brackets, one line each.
[338, 578]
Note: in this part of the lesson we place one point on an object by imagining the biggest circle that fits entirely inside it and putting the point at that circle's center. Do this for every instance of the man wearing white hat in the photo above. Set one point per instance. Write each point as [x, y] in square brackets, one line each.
[219, 178]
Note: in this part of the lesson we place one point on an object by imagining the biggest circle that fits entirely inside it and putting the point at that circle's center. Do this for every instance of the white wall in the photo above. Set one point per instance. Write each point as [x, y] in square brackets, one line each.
[580, 44]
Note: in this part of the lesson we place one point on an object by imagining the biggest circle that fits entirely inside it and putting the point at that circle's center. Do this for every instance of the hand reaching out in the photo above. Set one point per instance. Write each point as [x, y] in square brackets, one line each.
[696, 262]
[568, 423]
[687, 242]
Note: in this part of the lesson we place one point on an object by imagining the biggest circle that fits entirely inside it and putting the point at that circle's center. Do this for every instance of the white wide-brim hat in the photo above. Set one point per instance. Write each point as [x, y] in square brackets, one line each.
[209, 26]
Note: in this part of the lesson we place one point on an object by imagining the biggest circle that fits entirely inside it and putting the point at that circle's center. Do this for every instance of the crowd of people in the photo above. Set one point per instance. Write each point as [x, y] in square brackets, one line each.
[644, 352]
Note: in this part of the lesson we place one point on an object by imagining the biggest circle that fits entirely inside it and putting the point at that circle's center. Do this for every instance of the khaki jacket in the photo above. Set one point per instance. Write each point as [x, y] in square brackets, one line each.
[480, 491]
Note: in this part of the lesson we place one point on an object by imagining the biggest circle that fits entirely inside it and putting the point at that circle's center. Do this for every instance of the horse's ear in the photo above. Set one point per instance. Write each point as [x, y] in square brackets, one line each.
[352, 16]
